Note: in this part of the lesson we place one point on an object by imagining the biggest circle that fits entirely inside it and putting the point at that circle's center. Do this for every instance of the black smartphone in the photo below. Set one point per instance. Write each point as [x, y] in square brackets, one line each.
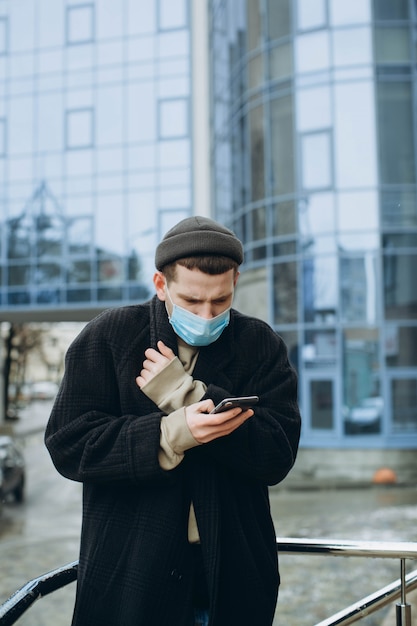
[244, 402]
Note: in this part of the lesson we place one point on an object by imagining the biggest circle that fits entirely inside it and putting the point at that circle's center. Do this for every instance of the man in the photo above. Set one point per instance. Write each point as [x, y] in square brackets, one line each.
[176, 523]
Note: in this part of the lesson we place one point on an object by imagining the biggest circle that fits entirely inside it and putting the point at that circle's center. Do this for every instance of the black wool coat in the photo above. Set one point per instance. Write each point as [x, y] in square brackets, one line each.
[136, 565]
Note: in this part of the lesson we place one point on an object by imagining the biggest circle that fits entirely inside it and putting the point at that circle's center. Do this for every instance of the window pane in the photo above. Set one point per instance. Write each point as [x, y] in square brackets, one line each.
[280, 62]
[392, 45]
[254, 17]
[3, 35]
[396, 145]
[80, 24]
[400, 346]
[257, 153]
[399, 208]
[279, 18]
[354, 135]
[319, 349]
[255, 72]
[285, 293]
[173, 118]
[344, 53]
[285, 219]
[282, 145]
[404, 404]
[352, 12]
[363, 405]
[389, 10]
[320, 291]
[358, 287]
[312, 52]
[172, 14]
[311, 14]
[79, 131]
[316, 160]
[2, 137]
[314, 109]
[400, 293]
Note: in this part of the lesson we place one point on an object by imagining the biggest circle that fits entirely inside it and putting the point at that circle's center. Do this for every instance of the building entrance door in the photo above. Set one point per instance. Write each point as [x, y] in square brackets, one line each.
[320, 403]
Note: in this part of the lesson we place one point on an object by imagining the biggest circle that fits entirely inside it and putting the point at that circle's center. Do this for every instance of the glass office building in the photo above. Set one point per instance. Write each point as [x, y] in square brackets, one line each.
[95, 149]
[314, 119]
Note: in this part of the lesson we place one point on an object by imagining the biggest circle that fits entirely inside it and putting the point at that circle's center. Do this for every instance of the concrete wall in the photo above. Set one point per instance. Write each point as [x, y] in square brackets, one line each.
[333, 467]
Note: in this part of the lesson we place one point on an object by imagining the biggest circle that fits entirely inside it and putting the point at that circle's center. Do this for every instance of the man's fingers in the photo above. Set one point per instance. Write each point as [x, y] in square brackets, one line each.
[165, 351]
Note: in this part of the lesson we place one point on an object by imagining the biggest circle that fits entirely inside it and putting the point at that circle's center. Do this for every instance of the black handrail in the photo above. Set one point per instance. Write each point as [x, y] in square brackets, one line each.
[23, 598]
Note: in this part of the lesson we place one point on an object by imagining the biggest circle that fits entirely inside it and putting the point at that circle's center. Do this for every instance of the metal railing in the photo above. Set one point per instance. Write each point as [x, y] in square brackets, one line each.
[21, 600]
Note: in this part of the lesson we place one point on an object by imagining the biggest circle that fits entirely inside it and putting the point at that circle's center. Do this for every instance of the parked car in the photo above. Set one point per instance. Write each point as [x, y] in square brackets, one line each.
[365, 418]
[12, 470]
[43, 390]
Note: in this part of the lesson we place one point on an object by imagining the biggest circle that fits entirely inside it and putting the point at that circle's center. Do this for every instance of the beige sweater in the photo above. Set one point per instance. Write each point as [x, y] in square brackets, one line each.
[172, 390]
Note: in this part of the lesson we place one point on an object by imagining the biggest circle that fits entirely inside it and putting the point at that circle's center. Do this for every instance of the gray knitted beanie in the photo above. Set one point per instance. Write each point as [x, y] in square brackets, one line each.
[198, 236]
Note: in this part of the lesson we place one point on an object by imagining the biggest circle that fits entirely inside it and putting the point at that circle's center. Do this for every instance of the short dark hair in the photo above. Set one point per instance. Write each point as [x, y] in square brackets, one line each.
[212, 264]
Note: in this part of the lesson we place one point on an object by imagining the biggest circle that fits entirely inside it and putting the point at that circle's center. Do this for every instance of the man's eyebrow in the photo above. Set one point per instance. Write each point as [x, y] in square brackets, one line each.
[187, 296]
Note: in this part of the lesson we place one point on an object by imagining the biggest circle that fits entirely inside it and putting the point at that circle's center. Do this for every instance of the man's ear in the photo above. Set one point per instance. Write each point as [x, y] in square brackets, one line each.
[235, 278]
[160, 282]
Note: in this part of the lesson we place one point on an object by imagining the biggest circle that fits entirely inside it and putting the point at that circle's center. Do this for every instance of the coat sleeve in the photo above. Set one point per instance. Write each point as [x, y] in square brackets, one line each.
[87, 436]
[264, 448]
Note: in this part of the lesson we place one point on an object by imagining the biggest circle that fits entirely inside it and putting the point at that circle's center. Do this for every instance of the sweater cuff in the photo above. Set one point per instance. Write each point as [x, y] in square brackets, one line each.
[173, 388]
[175, 439]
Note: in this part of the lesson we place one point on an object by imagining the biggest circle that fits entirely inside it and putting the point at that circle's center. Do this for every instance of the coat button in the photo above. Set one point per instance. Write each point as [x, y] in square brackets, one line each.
[176, 575]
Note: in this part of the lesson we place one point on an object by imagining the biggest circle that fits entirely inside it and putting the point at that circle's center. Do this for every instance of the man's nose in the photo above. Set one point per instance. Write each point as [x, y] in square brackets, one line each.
[207, 311]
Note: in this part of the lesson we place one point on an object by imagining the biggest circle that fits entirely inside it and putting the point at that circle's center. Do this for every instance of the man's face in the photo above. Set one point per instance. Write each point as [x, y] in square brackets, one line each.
[203, 294]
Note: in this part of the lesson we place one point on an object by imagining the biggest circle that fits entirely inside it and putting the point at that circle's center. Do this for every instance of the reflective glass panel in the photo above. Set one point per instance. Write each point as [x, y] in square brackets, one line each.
[312, 52]
[282, 145]
[173, 118]
[392, 45]
[314, 108]
[319, 349]
[279, 18]
[281, 62]
[358, 288]
[396, 143]
[320, 289]
[258, 223]
[404, 404]
[284, 218]
[389, 10]
[79, 130]
[3, 35]
[2, 137]
[257, 152]
[400, 293]
[399, 208]
[254, 23]
[345, 53]
[363, 404]
[358, 211]
[172, 14]
[400, 346]
[80, 23]
[311, 14]
[352, 12]
[354, 134]
[255, 72]
[285, 293]
[316, 160]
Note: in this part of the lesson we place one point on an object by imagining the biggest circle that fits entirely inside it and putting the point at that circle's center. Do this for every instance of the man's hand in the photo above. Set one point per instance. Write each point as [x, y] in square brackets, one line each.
[206, 426]
[155, 362]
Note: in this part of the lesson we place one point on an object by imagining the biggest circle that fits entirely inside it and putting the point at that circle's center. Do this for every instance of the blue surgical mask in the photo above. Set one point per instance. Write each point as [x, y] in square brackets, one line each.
[196, 330]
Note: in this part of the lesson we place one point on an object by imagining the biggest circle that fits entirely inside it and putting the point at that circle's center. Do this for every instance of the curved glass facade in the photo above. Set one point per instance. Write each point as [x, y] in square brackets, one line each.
[95, 147]
[314, 127]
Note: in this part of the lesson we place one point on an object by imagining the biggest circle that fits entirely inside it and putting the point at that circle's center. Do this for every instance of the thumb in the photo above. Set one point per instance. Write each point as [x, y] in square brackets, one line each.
[165, 351]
